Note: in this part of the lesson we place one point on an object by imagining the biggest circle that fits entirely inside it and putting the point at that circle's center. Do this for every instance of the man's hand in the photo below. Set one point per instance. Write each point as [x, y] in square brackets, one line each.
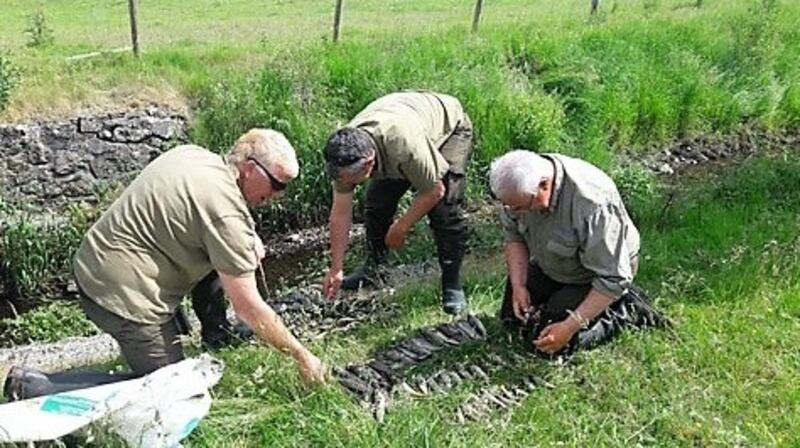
[332, 283]
[312, 370]
[555, 336]
[521, 301]
[396, 236]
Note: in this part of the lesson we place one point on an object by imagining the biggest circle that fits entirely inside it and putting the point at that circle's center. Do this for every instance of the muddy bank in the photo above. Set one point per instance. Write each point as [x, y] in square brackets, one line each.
[715, 150]
[303, 309]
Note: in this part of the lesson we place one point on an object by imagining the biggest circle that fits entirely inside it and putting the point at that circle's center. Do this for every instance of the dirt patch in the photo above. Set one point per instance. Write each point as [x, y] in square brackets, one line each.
[714, 151]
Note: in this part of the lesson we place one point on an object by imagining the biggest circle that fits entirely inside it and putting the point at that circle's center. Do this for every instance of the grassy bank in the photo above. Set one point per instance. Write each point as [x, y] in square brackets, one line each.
[722, 261]
[540, 76]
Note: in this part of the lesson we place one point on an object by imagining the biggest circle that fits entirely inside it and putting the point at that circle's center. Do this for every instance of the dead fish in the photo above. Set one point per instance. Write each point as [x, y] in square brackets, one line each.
[477, 325]
[439, 338]
[465, 328]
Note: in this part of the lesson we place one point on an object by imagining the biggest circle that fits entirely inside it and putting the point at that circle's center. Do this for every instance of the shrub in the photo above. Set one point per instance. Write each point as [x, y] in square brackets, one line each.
[39, 32]
[9, 78]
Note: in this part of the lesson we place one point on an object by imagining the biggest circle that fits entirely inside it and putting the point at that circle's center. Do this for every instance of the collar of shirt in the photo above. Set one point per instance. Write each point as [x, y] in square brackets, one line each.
[558, 181]
[379, 162]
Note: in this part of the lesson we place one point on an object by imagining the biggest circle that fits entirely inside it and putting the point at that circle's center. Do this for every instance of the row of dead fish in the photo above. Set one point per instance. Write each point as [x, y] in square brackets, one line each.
[374, 383]
[496, 397]
[308, 315]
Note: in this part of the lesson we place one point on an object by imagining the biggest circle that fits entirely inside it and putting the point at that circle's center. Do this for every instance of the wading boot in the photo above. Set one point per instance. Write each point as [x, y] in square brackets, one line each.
[451, 254]
[632, 310]
[208, 301]
[368, 275]
[454, 301]
[23, 383]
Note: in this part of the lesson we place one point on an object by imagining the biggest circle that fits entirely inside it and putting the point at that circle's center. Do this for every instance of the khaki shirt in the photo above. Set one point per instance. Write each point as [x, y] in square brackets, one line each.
[182, 217]
[585, 236]
[409, 128]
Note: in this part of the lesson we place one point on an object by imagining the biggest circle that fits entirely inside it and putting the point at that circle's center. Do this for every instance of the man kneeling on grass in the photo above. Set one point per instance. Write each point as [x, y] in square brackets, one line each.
[185, 216]
[571, 250]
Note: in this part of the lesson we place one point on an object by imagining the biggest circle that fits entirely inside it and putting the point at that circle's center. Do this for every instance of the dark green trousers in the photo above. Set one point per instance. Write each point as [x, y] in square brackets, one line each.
[446, 218]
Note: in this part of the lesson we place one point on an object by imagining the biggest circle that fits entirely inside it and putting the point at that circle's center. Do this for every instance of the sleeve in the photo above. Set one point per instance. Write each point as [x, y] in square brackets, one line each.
[230, 243]
[510, 225]
[419, 164]
[606, 252]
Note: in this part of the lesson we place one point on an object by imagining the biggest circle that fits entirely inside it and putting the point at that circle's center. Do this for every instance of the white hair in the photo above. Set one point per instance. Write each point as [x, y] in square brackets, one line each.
[269, 147]
[518, 172]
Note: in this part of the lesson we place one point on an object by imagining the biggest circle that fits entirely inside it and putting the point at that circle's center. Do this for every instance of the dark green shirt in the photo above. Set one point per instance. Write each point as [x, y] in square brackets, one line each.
[585, 236]
[409, 128]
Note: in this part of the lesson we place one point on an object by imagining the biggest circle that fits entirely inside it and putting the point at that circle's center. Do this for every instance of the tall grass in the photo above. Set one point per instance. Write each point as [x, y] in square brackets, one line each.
[590, 91]
[722, 263]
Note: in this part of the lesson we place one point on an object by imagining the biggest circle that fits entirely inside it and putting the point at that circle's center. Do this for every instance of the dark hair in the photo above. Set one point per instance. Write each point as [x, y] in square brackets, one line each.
[347, 147]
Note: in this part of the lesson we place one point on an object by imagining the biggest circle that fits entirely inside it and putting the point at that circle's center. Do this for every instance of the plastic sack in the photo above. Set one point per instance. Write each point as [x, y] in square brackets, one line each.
[157, 410]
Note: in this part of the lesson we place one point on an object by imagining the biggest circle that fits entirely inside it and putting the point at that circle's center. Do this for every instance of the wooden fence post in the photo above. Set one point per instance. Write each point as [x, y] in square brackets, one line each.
[595, 6]
[337, 20]
[134, 26]
[477, 17]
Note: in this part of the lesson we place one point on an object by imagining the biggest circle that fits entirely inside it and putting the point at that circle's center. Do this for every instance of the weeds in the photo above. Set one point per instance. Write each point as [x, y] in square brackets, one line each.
[39, 32]
[9, 78]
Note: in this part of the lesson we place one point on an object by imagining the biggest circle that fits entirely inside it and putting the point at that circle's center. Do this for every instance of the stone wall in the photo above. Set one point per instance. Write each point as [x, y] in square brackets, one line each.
[51, 164]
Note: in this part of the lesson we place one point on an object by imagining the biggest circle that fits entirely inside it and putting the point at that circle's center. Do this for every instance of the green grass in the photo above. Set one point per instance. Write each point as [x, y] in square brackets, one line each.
[722, 259]
[723, 264]
[538, 75]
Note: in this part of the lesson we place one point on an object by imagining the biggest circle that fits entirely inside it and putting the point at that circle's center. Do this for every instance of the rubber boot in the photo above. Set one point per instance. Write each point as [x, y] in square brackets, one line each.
[208, 301]
[451, 256]
[368, 275]
[23, 383]
[632, 310]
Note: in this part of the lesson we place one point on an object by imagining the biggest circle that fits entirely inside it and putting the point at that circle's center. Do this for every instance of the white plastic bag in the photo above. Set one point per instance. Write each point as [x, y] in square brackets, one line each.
[157, 410]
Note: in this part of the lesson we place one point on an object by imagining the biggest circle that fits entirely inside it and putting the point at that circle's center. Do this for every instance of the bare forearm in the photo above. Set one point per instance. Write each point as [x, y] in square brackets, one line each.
[595, 303]
[422, 204]
[517, 256]
[263, 320]
[341, 219]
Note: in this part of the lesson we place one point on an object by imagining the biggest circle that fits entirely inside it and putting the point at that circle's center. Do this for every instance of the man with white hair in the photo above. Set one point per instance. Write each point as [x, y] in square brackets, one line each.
[571, 250]
[407, 140]
[181, 223]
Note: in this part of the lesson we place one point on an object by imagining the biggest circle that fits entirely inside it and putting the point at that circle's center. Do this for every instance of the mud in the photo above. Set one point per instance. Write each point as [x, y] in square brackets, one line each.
[711, 150]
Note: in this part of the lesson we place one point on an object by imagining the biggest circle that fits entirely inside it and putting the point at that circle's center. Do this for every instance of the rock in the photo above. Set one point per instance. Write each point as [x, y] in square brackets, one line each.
[664, 168]
[51, 163]
[89, 125]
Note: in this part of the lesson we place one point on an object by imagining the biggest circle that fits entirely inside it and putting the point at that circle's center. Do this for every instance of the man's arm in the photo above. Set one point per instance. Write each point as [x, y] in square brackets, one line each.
[517, 256]
[263, 320]
[422, 204]
[555, 336]
[341, 218]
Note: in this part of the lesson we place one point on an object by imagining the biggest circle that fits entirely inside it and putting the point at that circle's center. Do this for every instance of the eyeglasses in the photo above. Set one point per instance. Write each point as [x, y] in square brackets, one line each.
[273, 181]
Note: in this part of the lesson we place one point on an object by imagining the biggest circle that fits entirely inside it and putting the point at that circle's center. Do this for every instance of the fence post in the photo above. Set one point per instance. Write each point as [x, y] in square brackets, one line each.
[134, 26]
[337, 20]
[595, 6]
[477, 17]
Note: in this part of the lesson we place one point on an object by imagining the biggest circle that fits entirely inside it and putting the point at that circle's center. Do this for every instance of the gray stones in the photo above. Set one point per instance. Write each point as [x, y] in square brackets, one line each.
[707, 149]
[73, 157]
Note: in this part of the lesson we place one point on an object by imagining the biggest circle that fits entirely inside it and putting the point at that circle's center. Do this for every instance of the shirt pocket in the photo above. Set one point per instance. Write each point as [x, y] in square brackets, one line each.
[563, 243]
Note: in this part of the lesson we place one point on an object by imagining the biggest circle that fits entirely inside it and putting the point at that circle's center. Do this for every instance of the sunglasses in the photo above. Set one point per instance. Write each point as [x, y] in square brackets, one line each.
[273, 181]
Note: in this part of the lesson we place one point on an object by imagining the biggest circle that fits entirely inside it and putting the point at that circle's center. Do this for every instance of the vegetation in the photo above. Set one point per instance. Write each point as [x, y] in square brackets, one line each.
[9, 77]
[720, 250]
[722, 262]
